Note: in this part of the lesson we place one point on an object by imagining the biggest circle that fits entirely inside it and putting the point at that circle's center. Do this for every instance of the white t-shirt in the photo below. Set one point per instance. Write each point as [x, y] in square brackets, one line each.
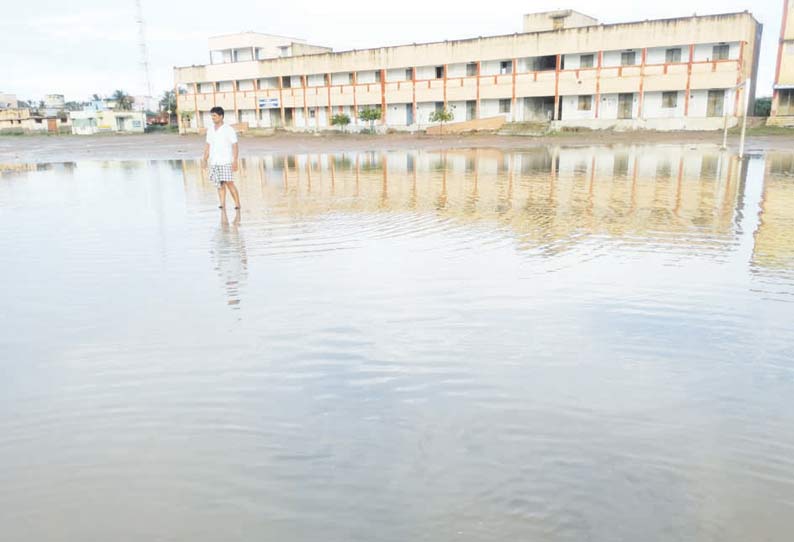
[220, 142]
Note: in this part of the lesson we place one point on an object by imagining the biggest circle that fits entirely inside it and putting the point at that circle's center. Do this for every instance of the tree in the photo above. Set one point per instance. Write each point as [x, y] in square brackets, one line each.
[168, 102]
[442, 116]
[370, 115]
[123, 100]
[763, 106]
[340, 120]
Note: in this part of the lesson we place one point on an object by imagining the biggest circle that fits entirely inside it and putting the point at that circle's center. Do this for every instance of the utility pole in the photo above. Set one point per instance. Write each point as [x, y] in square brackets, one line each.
[144, 52]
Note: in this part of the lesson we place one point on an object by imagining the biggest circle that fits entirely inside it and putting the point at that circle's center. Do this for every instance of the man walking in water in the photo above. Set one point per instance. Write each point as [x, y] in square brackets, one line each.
[220, 153]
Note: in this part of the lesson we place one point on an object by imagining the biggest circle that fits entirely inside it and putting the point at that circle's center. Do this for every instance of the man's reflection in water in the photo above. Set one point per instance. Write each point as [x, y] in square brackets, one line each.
[229, 257]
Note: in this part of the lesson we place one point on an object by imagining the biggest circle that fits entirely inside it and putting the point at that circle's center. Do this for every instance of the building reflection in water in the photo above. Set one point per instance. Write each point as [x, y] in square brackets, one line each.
[548, 198]
[774, 240]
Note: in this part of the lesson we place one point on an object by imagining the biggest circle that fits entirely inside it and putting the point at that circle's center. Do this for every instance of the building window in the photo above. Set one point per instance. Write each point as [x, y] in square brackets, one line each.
[286, 82]
[505, 67]
[586, 61]
[672, 55]
[378, 76]
[669, 100]
[471, 69]
[628, 58]
[504, 105]
[312, 113]
[439, 107]
[439, 72]
[409, 74]
[585, 103]
[721, 52]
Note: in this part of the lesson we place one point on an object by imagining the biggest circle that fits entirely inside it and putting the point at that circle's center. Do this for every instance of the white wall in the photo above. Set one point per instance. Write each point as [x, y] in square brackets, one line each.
[458, 110]
[249, 116]
[490, 108]
[490, 67]
[456, 70]
[570, 108]
[397, 75]
[244, 55]
[652, 106]
[608, 107]
[704, 52]
[425, 72]
[423, 112]
[658, 55]
[268, 82]
[342, 78]
[225, 86]
[205, 88]
[248, 84]
[295, 81]
[316, 80]
[264, 118]
[612, 58]
[397, 114]
[571, 62]
[366, 77]
[698, 103]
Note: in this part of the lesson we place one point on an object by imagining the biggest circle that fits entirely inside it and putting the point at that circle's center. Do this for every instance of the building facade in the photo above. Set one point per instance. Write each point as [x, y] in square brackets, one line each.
[93, 121]
[563, 69]
[782, 113]
[8, 101]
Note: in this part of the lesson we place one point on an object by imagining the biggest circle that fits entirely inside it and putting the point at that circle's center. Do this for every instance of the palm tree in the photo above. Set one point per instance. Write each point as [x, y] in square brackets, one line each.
[123, 100]
[168, 102]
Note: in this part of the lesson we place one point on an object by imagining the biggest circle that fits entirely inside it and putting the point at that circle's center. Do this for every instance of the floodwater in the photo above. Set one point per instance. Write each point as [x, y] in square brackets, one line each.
[562, 344]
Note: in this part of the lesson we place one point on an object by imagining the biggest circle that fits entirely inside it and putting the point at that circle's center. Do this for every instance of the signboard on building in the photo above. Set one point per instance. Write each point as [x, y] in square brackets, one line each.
[268, 103]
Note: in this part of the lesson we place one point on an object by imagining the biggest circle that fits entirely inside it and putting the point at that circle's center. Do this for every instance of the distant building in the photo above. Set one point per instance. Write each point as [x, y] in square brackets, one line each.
[91, 121]
[564, 70]
[8, 101]
[22, 120]
[54, 101]
[782, 113]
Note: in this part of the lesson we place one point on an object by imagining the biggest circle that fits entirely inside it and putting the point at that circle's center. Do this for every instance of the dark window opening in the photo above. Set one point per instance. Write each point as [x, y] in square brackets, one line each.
[672, 55]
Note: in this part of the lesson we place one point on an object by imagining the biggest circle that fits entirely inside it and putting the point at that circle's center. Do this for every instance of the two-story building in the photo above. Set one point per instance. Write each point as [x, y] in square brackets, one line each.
[782, 113]
[564, 69]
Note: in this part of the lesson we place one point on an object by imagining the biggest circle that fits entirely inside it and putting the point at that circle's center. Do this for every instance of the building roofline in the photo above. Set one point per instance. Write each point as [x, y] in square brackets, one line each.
[258, 34]
[465, 40]
[560, 12]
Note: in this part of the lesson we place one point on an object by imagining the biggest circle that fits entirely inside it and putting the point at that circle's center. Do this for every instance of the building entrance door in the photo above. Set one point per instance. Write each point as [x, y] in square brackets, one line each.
[716, 102]
[625, 105]
[409, 114]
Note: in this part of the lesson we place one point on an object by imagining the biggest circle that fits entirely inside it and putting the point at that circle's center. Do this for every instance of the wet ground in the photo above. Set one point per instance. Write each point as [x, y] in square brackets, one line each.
[556, 343]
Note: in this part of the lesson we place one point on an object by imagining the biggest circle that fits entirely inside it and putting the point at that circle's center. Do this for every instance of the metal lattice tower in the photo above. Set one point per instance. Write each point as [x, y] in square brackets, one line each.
[144, 51]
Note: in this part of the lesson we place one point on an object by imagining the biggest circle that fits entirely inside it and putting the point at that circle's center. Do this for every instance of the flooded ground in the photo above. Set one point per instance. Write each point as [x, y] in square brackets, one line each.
[558, 344]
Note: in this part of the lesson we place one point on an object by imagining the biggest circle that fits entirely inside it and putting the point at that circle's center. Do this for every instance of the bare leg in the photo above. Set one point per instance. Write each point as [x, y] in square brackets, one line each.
[235, 194]
[222, 195]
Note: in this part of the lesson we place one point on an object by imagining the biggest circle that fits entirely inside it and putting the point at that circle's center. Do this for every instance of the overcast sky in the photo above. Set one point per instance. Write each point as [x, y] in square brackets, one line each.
[83, 47]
